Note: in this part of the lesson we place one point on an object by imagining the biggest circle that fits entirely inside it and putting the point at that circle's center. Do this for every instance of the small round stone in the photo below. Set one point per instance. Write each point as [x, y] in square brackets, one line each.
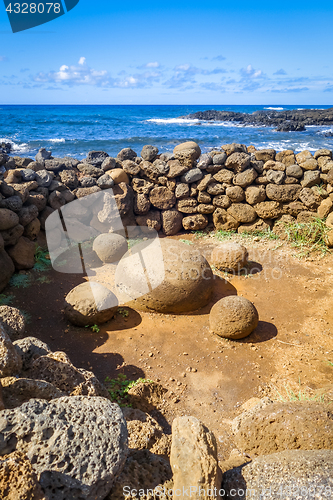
[229, 257]
[110, 247]
[90, 303]
[233, 317]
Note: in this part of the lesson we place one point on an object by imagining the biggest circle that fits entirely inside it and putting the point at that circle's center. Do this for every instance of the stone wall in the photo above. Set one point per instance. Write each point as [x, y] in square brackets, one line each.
[233, 188]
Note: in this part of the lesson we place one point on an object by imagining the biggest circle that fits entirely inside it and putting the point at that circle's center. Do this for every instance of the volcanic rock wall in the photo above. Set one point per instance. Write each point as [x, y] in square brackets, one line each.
[234, 188]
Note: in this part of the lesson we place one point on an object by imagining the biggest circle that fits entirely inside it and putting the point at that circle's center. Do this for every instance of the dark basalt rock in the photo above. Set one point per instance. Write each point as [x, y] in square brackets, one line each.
[284, 121]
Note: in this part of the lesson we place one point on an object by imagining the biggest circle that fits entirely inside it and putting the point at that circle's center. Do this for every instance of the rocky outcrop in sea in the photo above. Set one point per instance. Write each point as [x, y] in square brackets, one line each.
[294, 120]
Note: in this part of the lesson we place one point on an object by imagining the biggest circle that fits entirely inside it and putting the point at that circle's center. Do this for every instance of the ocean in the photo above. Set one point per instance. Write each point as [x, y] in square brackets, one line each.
[76, 130]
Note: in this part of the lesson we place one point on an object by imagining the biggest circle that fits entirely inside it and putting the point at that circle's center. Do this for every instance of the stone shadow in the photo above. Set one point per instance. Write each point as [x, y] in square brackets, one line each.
[264, 331]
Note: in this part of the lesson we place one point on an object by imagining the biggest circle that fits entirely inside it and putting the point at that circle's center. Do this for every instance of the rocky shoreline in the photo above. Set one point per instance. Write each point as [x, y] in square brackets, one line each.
[235, 188]
[295, 120]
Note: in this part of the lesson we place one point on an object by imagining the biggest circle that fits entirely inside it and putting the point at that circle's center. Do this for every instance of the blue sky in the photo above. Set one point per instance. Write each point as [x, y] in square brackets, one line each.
[179, 52]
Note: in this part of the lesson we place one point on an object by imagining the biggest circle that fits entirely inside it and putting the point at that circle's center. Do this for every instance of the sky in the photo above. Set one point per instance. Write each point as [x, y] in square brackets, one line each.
[176, 52]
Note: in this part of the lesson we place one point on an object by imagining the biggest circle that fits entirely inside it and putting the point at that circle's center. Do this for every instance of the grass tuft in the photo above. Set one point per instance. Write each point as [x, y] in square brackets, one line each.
[27, 316]
[123, 312]
[187, 242]
[6, 300]
[93, 328]
[20, 281]
[290, 395]
[42, 260]
[118, 388]
[308, 237]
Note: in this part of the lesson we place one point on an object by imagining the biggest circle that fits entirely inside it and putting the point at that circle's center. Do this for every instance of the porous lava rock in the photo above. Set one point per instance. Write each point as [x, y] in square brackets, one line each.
[286, 426]
[281, 473]
[193, 457]
[77, 445]
[13, 322]
[18, 480]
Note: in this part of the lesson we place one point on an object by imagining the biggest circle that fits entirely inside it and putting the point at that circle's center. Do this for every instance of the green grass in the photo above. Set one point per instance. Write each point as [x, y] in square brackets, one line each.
[187, 242]
[267, 235]
[6, 300]
[118, 388]
[93, 328]
[290, 395]
[20, 281]
[27, 316]
[330, 363]
[44, 279]
[199, 234]
[42, 263]
[123, 312]
[308, 237]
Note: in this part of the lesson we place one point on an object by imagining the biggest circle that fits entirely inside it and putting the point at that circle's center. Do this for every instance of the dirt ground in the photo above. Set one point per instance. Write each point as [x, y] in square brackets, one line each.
[206, 376]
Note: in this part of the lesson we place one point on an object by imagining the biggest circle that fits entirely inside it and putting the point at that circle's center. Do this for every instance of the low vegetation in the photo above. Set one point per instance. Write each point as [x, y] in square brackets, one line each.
[118, 388]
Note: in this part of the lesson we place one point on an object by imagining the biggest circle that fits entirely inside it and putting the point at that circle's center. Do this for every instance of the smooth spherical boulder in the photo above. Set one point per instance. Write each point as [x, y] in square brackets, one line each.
[165, 276]
[89, 304]
[229, 257]
[110, 247]
[233, 317]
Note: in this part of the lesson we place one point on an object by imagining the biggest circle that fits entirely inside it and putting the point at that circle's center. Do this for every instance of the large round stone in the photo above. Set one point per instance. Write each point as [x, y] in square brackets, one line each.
[165, 276]
[229, 257]
[233, 317]
[89, 304]
[110, 247]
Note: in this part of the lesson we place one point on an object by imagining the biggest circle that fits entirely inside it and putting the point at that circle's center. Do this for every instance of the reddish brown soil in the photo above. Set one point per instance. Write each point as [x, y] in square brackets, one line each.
[291, 347]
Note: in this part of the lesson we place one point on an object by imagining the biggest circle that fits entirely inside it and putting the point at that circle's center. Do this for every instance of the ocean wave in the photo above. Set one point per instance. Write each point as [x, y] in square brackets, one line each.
[174, 120]
[56, 140]
[18, 148]
[276, 109]
[204, 123]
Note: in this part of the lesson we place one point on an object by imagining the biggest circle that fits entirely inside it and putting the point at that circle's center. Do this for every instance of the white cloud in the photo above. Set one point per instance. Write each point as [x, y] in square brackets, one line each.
[250, 72]
[149, 65]
[74, 75]
[84, 75]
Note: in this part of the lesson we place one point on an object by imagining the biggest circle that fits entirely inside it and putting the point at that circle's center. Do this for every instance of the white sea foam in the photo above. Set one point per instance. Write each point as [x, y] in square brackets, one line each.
[277, 109]
[285, 144]
[195, 121]
[56, 140]
[181, 121]
[18, 148]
